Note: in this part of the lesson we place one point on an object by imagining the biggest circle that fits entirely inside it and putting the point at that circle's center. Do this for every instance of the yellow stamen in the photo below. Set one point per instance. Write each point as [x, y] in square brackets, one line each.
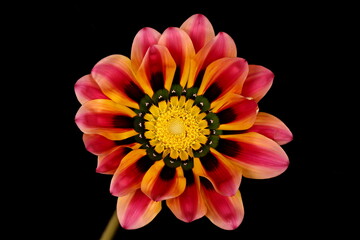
[176, 127]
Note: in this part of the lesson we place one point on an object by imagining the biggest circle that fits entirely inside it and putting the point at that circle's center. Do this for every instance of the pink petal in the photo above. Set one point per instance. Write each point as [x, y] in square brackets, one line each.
[157, 69]
[87, 89]
[238, 113]
[130, 173]
[162, 182]
[200, 30]
[106, 118]
[97, 144]
[225, 212]
[136, 210]
[257, 83]
[223, 77]
[224, 176]
[189, 206]
[145, 38]
[182, 50]
[110, 161]
[219, 47]
[271, 127]
[258, 156]
[115, 77]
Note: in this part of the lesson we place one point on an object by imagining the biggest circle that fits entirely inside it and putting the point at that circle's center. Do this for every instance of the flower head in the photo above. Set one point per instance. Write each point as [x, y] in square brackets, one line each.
[179, 121]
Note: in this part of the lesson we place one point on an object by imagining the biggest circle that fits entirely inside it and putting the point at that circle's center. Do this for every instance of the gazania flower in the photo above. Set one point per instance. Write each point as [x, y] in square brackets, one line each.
[179, 121]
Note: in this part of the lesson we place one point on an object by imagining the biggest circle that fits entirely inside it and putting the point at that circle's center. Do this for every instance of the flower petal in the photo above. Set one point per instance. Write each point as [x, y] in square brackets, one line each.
[224, 176]
[258, 156]
[135, 210]
[189, 206]
[182, 50]
[107, 118]
[162, 182]
[114, 76]
[219, 47]
[271, 127]
[200, 30]
[258, 82]
[110, 161]
[145, 38]
[157, 69]
[130, 173]
[97, 144]
[87, 89]
[225, 212]
[223, 77]
[237, 113]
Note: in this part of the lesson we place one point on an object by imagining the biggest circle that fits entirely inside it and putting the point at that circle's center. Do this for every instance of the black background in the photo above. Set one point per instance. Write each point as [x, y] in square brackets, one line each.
[64, 198]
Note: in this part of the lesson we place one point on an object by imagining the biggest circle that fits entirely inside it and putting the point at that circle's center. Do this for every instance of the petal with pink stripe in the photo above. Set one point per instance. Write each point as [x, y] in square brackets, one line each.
[97, 144]
[115, 78]
[130, 173]
[107, 118]
[162, 182]
[110, 161]
[238, 113]
[258, 156]
[224, 176]
[219, 47]
[87, 89]
[271, 127]
[189, 206]
[136, 210]
[181, 49]
[222, 78]
[200, 30]
[225, 212]
[157, 69]
[145, 38]
[258, 82]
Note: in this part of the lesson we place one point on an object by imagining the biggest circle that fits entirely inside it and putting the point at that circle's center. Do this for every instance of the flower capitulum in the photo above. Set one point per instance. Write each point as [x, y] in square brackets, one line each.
[176, 127]
[179, 121]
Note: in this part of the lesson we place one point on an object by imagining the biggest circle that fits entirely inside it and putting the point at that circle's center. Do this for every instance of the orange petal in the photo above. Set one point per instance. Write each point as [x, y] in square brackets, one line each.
[107, 118]
[225, 212]
[157, 69]
[237, 113]
[114, 76]
[200, 30]
[135, 210]
[161, 182]
[145, 38]
[219, 47]
[257, 83]
[222, 77]
[189, 206]
[182, 50]
[258, 156]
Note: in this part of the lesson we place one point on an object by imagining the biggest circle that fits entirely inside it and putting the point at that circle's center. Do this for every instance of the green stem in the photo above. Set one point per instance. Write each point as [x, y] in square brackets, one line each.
[111, 228]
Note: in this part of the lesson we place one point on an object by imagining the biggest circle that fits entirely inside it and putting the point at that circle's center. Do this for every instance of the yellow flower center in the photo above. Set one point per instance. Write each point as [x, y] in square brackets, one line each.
[176, 127]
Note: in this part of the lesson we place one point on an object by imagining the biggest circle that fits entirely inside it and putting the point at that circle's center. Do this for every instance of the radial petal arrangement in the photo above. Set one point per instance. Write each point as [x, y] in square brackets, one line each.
[179, 122]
